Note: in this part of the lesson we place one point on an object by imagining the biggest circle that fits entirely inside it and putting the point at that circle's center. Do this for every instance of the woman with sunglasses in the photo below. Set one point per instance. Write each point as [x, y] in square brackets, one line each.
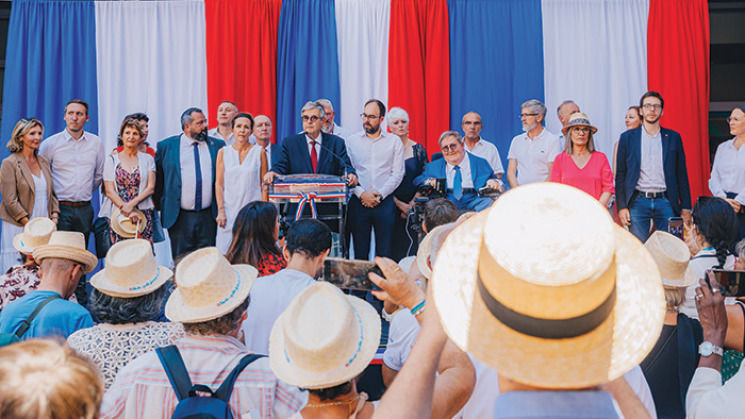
[728, 172]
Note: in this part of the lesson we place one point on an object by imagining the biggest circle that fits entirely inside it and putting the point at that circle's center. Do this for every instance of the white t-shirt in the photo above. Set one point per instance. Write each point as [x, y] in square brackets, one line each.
[534, 156]
[489, 152]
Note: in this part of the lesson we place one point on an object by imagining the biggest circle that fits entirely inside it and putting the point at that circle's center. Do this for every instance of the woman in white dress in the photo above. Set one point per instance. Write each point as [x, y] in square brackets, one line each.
[26, 186]
[728, 172]
[238, 178]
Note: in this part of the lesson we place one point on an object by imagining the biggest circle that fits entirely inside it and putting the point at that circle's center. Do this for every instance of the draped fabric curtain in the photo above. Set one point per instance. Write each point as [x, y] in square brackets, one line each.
[307, 63]
[678, 42]
[495, 64]
[362, 28]
[595, 55]
[242, 55]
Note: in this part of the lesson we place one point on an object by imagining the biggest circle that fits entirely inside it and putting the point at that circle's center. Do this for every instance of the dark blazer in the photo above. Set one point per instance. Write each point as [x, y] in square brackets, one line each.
[294, 158]
[481, 171]
[18, 191]
[628, 167]
[274, 149]
[167, 194]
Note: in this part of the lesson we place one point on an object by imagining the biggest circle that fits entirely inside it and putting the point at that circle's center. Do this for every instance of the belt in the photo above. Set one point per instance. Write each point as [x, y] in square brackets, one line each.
[465, 191]
[195, 210]
[74, 204]
[651, 195]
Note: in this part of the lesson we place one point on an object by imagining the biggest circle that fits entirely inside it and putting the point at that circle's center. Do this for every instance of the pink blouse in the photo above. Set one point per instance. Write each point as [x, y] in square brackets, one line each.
[595, 178]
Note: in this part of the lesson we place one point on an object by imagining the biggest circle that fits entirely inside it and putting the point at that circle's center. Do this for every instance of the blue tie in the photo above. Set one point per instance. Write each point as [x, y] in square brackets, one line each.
[458, 184]
[198, 169]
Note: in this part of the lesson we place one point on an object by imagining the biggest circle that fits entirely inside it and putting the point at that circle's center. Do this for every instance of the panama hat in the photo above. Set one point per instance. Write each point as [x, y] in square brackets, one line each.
[208, 286]
[68, 245]
[35, 233]
[578, 119]
[545, 288]
[324, 338]
[123, 225]
[672, 256]
[422, 254]
[131, 270]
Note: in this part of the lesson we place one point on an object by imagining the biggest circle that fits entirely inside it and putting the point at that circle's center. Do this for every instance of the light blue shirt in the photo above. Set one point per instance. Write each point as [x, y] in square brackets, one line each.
[57, 318]
[556, 404]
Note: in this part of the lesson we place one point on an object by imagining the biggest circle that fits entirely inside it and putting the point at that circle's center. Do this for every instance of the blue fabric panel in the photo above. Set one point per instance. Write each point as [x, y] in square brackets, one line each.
[308, 65]
[496, 64]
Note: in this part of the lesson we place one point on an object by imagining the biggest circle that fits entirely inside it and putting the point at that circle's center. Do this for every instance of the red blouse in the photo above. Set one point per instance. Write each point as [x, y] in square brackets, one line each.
[271, 263]
[595, 178]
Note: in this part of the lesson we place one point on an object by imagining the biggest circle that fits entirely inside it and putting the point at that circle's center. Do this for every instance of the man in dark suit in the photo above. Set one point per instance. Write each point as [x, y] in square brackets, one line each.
[651, 174]
[263, 135]
[185, 184]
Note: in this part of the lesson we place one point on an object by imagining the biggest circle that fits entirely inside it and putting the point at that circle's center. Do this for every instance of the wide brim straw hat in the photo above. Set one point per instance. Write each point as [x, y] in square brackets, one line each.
[546, 289]
[672, 257]
[578, 119]
[208, 287]
[131, 270]
[69, 245]
[123, 225]
[324, 338]
[422, 254]
[35, 233]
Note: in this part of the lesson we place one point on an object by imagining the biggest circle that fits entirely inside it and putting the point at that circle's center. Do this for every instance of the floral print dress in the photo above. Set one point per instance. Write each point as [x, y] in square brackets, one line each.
[128, 186]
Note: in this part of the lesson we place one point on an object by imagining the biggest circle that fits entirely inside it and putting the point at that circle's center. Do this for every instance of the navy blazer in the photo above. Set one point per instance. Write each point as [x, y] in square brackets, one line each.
[274, 149]
[168, 177]
[294, 158]
[481, 171]
[628, 168]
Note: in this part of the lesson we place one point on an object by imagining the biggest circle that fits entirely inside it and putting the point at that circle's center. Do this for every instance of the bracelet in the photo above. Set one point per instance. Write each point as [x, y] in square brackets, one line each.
[418, 309]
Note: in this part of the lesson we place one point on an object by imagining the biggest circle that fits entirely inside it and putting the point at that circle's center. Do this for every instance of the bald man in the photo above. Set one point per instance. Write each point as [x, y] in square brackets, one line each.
[263, 135]
[471, 124]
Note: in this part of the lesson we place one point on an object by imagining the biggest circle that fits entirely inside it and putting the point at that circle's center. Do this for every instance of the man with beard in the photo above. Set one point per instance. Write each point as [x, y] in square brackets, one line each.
[185, 184]
[651, 175]
[379, 160]
[329, 126]
[532, 153]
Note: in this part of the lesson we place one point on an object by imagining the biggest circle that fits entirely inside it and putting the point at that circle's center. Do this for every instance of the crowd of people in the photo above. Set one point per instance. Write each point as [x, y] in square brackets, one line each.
[523, 298]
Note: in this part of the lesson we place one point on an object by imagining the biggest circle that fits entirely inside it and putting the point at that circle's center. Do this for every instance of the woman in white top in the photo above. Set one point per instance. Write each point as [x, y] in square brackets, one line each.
[728, 172]
[238, 178]
[129, 180]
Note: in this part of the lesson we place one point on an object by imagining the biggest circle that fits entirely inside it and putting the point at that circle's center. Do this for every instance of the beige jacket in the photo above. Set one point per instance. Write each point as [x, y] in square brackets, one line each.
[17, 188]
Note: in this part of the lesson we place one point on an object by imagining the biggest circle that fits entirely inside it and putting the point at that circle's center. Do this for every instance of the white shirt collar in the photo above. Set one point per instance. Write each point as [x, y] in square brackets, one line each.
[317, 140]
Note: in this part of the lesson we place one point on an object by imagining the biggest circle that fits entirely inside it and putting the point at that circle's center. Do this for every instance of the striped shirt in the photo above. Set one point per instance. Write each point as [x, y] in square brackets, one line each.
[142, 389]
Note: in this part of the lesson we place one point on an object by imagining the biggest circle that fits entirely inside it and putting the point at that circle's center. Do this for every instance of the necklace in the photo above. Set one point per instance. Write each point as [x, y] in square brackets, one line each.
[353, 399]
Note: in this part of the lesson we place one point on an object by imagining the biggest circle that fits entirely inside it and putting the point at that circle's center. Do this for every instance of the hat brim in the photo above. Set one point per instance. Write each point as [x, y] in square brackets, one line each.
[178, 311]
[117, 227]
[422, 254]
[20, 246]
[689, 278]
[100, 282]
[607, 352]
[566, 129]
[295, 375]
[84, 257]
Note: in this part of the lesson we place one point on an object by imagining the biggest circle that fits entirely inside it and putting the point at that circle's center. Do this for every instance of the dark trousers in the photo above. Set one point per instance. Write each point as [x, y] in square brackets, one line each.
[193, 230]
[740, 219]
[78, 219]
[361, 220]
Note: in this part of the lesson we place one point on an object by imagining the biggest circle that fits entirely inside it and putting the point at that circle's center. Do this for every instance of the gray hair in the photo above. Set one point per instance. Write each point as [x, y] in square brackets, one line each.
[398, 113]
[119, 310]
[447, 134]
[569, 145]
[186, 117]
[740, 249]
[438, 240]
[674, 296]
[313, 105]
[324, 103]
[566, 102]
[535, 106]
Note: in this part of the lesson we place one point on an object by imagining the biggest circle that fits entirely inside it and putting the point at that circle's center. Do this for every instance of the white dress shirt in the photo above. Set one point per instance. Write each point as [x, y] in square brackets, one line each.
[188, 174]
[534, 156]
[465, 172]
[214, 133]
[728, 172]
[489, 152]
[708, 398]
[317, 145]
[379, 162]
[340, 131]
[77, 165]
[652, 171]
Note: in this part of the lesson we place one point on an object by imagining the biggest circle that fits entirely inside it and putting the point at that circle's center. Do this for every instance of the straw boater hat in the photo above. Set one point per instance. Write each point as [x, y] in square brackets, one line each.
[69, 245]
[578, 119]
[672, 257]
[324, 338]
[545, 288]
[123, 226]
[208, 286]
[35, 233]
[422, 254]
[131, 270]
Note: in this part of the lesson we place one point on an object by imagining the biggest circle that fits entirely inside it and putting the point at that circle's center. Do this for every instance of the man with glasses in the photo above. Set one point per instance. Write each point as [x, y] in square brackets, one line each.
[471, 124]
[651, 174]
[379, 159]
[329, 126]
[532, 153]
[465, 173]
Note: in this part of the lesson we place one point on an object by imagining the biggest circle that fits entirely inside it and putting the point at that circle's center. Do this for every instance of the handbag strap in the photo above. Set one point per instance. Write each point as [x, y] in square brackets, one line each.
[27, 322]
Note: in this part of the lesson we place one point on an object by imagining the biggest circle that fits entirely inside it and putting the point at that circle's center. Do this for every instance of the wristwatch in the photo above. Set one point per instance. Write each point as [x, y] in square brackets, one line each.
[707, 348]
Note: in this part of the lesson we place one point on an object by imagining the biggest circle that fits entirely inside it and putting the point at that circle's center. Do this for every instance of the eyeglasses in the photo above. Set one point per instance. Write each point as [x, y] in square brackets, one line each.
[523, 115]
[655, 106]
[366, 116]
[582, 129]
[449, 148]
[472, 123]
[307, 118]
[730, 119]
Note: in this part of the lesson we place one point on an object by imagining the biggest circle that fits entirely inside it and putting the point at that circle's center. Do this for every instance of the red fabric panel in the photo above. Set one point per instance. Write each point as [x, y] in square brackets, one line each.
[242, 55]
[419, 67]
[678, 68]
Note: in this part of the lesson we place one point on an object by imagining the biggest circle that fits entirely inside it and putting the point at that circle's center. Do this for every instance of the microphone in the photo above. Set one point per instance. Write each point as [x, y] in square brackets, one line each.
[338, 157]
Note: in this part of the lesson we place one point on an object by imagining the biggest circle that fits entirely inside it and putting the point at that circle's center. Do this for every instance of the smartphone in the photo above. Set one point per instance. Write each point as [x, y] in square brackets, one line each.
[350, 274]
[675, 227]
[733, 282]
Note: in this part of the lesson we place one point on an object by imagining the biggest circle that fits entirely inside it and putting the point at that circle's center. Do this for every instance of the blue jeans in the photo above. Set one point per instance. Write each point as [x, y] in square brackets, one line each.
[643, 210]
[470, 202]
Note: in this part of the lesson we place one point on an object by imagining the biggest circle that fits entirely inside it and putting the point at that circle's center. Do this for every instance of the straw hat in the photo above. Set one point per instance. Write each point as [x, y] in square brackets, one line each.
[422, 254]
[131, 270]
[68, 245]
[123, 225]
[672, 256]
[578, 119]
[35, 233]
[573, 299]
[208, 286]
[324, 338]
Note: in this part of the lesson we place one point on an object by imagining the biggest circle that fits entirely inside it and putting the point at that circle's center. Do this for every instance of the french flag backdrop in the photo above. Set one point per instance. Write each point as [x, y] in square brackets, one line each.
[438, 59]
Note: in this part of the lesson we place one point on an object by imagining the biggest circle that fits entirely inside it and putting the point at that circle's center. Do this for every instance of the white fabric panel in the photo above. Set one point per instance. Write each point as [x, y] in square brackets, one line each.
[595, 53]
[150, 58]
[362, 35]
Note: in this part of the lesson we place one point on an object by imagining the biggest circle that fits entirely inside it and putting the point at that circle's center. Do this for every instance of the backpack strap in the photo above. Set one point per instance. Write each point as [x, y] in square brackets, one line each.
[226, 388]
[27, 323]
[175, 369]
